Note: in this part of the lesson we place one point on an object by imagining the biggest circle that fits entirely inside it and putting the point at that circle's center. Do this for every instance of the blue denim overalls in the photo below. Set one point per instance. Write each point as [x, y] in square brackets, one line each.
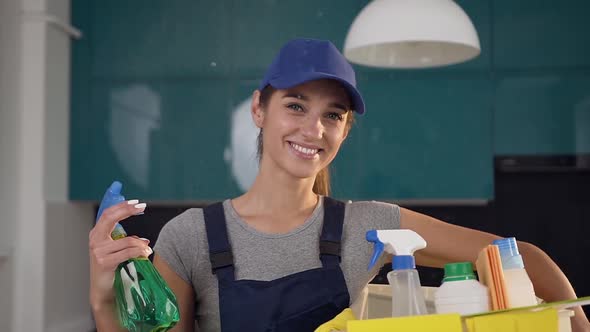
[299, 302]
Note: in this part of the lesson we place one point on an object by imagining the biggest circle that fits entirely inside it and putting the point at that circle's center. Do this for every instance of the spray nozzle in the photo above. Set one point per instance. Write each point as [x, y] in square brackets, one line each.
[112, 196]
[399, 242]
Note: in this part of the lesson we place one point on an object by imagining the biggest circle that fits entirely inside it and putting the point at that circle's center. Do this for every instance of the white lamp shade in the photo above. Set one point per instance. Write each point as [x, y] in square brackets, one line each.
[411, 34]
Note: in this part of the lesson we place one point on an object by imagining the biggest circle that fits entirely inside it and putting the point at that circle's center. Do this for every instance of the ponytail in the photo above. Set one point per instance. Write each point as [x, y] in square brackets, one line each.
[321, 186]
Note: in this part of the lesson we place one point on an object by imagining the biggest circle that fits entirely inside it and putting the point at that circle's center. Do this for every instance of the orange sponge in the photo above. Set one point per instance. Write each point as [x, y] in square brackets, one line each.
[489, 269]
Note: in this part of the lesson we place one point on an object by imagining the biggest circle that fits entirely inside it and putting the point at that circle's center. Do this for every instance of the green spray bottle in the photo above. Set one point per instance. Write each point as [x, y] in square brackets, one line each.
[144, 301]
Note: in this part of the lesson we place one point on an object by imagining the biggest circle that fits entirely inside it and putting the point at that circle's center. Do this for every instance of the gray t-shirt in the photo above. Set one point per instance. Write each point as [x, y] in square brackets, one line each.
[182, 244]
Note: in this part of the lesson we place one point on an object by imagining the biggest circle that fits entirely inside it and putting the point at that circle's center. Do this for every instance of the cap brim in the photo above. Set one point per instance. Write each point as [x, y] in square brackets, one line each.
[358, 104]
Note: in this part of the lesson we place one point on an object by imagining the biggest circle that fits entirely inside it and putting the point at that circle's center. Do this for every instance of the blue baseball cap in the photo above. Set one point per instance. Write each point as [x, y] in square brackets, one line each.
[303, 60]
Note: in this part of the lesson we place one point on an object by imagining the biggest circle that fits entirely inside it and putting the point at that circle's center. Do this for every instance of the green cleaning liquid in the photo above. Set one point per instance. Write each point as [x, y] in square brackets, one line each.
[144, 301]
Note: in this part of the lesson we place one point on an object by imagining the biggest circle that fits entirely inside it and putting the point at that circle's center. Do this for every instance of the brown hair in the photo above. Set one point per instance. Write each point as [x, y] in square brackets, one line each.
[321, 185]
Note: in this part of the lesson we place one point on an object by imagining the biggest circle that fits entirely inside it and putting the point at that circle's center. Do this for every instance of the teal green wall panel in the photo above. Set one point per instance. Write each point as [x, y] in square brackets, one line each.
[541, 60]
[161, 38]
[79, 163]
[541, 34]
[427, 138]
[543, 114]
[260, 28]
[480, 14]
[164, 140]
[156, 89]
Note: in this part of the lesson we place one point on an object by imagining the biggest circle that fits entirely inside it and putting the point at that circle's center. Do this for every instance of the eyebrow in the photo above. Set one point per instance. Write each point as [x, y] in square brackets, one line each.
[303, 97]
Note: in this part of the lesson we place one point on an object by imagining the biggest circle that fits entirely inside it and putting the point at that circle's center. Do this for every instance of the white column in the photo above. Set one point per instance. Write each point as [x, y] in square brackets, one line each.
[43, 236]
[66, 307]
[9, 151]
[29, 241]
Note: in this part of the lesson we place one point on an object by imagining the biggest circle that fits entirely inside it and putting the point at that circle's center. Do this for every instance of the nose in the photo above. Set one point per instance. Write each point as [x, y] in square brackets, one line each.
[312, 127]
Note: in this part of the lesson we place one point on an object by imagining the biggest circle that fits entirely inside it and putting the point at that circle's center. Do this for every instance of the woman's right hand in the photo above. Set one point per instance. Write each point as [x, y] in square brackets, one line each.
[106, 254]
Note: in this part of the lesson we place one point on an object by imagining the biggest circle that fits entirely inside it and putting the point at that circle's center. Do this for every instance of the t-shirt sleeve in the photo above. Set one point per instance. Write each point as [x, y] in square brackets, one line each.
[360, 217]
[397, 216]
[376, 215]
[395, 221]
[174, 244]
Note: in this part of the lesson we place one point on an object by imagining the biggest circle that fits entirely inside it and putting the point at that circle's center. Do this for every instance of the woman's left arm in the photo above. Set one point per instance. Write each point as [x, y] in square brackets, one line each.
[451, 243]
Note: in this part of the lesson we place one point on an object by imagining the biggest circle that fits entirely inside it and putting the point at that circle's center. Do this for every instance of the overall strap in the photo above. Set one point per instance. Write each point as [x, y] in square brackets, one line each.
[331, 232]
[220, 254]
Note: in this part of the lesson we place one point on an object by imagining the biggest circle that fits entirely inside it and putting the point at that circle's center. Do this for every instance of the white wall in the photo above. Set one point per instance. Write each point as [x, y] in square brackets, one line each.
[44, 281]
[67, 306]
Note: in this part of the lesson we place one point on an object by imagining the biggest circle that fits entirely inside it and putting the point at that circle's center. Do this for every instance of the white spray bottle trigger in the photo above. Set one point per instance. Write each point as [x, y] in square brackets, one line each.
[394, 241]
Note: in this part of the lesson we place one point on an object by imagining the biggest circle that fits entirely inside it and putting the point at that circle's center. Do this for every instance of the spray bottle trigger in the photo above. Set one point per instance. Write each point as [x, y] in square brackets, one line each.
[371, 236]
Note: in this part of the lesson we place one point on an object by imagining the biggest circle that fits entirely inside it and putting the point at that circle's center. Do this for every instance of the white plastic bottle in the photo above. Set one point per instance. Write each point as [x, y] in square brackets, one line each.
[460, 291]
[519, 287]
[407, 296]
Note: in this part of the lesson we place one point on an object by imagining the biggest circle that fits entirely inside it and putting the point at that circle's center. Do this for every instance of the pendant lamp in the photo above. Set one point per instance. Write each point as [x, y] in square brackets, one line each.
[411, 34]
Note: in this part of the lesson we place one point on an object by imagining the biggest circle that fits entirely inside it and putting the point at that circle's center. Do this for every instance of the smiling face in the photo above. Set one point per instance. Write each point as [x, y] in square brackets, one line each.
[303, 127]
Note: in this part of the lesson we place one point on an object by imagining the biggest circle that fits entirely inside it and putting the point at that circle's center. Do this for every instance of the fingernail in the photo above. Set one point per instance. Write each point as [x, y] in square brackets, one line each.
[140, 206]
[149, 251]
[133, 202]
[144, 239]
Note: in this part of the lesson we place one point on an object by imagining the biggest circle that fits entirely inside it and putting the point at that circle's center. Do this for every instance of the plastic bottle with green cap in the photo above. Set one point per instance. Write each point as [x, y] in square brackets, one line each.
[460, 291]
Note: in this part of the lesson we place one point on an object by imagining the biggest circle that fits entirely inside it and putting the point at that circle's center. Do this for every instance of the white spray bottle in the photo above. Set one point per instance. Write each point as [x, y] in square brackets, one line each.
[407, 297]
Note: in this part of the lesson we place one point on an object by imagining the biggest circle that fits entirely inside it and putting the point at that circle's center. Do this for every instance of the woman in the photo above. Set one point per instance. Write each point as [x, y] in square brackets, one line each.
[284, 256]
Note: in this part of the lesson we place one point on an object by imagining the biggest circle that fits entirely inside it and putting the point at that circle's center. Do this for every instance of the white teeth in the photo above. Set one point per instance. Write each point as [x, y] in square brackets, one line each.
[304, 150]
